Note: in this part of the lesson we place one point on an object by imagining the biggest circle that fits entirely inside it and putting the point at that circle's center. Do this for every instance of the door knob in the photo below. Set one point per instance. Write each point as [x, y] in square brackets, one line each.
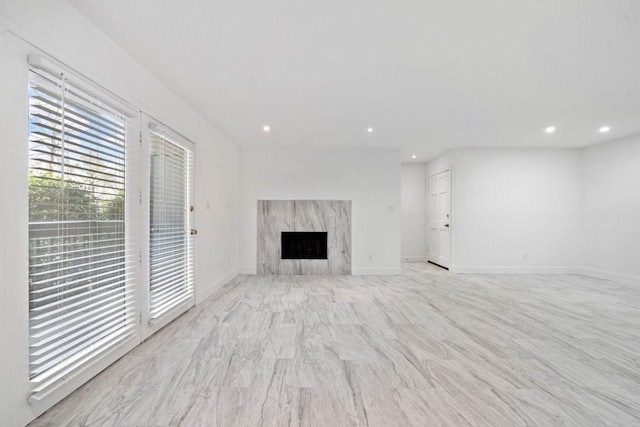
[446, 225]
[194, 232]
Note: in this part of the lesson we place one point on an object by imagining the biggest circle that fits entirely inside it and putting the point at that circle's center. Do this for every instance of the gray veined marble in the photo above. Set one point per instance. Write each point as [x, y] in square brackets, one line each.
[428, 348]
[276, 216]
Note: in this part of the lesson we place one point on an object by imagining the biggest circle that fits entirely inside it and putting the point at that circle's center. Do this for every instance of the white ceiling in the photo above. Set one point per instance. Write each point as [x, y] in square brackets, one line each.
[428, 76]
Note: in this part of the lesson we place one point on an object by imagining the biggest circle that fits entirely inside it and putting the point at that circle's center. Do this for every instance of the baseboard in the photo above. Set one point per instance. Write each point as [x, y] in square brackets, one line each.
[206, 293]
[376, 271]
[453, 269]
[413, 259]
[601, 274]
[516, 270]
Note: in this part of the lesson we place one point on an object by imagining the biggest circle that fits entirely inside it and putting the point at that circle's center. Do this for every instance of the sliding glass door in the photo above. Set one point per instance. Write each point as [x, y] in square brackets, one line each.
[82, 303]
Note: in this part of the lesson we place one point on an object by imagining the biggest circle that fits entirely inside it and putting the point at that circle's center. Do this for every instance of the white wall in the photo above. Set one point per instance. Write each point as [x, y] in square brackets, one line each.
[369, 178]
[65, 34]
[611, 178]
[514, 209]
[517, 208]
[413, 197]
[567, 210]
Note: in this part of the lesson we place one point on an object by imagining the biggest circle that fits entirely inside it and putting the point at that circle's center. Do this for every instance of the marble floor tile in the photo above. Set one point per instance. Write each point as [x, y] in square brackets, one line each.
[425, 348]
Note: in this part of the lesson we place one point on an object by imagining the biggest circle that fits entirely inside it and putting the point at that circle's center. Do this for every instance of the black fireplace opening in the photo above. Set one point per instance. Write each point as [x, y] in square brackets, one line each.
[304, 244]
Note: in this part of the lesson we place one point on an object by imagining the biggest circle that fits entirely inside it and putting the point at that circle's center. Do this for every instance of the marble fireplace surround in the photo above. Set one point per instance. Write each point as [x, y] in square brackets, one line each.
[332, 216]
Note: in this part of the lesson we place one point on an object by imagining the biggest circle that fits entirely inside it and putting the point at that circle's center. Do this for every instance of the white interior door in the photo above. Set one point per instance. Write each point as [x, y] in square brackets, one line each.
[439, 220]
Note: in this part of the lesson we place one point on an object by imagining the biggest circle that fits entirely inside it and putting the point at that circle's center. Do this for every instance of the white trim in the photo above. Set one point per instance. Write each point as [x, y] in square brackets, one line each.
[591, 272]
[609, 275]
[204, 294]
[144, 177]
[516, 270]
[376, 271]
[421, 258]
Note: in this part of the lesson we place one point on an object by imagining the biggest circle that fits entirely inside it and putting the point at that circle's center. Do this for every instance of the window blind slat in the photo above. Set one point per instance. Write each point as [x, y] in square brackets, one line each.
[46, 110]
[172, 298]
[54, 141]
[159, 273]
[87, 123]
[82, 342]
[104, 245]
[71, 330]
[80, 151]
[170, 280]
[56, 324]
[52, 265]
[95, 170]
[64, 292]
[59, 311]
[161, 309]
[78, 277]
[114, 168]
[102, 288]
[55, 373]
[52, 94]
[73, 137]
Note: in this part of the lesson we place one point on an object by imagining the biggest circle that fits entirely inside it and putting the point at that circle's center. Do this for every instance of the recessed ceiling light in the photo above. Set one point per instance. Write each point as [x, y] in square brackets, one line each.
[266, 128]
[414, 156]
[550, 129]
[605, 129]
[370, 130]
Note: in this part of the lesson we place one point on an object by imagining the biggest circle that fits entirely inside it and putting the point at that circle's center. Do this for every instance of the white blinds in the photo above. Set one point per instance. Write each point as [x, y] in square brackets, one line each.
[81, 292]
[171, 247]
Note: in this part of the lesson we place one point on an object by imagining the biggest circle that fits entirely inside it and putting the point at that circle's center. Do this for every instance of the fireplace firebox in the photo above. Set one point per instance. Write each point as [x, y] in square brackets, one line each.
[304, 244]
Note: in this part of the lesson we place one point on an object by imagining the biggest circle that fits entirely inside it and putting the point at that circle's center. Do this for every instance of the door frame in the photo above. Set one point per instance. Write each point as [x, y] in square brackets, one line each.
[451, 214]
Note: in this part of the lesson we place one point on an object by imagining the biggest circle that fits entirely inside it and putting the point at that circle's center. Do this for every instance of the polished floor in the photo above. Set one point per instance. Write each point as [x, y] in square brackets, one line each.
[427, 348]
